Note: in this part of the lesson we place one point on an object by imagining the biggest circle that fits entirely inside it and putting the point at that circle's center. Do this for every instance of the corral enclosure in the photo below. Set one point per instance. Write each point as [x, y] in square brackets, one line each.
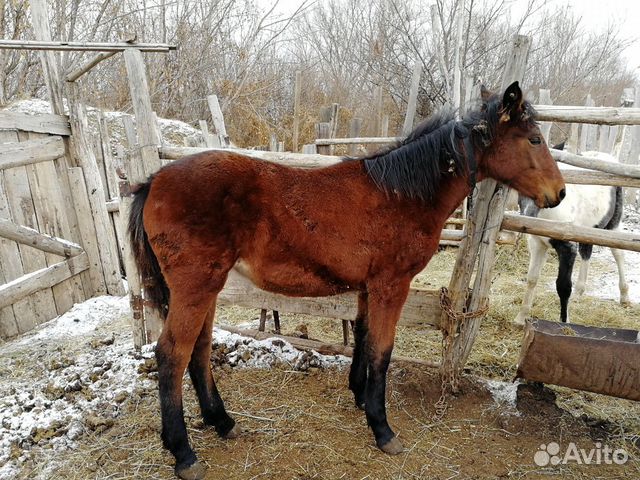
[65, 192]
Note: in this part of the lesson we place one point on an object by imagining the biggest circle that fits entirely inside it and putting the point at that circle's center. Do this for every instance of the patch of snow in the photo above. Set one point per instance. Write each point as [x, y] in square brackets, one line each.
[248, 352]
[74, 374]
[503, 393]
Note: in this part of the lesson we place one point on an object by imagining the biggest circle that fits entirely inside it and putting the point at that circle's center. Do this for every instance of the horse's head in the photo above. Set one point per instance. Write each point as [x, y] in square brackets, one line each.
[515, 151]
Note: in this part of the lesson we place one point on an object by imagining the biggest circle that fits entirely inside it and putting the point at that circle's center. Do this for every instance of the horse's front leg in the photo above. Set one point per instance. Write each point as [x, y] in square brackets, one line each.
[360, 361]
[385, 300]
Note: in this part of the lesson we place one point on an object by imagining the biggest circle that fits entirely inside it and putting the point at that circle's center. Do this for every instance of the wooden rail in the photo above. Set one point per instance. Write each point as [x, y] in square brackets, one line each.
[597, 115]
[356, 140]
[569, 232]
[596, 164]
[47, 277]
[422, 306]
[17, 154]
[40, 241]
[83, 46]
[39, 123]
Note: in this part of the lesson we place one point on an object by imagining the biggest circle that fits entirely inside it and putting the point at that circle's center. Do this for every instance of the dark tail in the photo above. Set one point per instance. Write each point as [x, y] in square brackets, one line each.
[156, 291]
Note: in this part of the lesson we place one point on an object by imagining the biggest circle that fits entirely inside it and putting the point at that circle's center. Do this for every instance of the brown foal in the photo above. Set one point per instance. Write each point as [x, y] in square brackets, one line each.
[366, 224]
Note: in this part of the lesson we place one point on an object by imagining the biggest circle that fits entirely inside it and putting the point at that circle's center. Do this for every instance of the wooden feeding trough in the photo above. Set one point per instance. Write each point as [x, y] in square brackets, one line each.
[600, 360]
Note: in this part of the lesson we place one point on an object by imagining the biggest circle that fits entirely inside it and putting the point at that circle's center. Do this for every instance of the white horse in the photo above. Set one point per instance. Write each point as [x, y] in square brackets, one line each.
[584, 205]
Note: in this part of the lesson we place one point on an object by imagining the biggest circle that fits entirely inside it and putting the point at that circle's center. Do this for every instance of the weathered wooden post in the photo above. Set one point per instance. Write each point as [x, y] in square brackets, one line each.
[144, 152]
[544, 98]
[354, 132]
[296, 111]
[412, 102]
[461, 315]
[218, 119]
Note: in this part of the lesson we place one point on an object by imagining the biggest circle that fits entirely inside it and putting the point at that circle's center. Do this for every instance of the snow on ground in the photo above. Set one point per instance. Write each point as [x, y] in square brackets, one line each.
[72, 375]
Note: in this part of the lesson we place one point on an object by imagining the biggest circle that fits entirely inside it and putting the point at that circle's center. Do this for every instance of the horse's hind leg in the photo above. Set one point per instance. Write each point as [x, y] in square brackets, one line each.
[188, 308]
[622, 281]
[566, 259]
[211, 405]
[360, 362]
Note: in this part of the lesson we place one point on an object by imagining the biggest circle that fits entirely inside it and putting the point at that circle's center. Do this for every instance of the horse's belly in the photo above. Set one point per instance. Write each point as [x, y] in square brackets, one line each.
[293, 279]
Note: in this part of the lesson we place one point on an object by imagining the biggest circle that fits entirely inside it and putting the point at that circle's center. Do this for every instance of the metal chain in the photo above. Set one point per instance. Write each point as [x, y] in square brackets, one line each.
[454, 318]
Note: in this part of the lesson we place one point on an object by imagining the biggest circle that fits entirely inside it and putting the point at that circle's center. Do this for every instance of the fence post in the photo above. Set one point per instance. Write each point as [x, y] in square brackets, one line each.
[296, 111]
[481, 231]
[412, 102]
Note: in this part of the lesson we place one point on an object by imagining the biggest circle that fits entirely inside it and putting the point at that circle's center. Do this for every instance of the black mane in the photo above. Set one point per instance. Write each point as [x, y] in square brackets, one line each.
[413, 168]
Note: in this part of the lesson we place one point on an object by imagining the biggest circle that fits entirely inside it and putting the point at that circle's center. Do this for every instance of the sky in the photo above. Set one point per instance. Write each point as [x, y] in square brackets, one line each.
[596, 16]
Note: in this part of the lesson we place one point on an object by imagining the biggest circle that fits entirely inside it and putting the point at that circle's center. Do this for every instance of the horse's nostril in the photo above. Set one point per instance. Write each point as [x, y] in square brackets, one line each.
[562, 193]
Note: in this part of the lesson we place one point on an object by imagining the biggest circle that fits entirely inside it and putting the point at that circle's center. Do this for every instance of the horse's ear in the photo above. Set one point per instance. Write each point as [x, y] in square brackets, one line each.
[484, 93]
[511, 102]
[559, 146]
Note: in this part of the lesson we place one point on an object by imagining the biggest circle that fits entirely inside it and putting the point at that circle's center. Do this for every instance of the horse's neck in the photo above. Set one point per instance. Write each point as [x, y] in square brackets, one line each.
[432, 216]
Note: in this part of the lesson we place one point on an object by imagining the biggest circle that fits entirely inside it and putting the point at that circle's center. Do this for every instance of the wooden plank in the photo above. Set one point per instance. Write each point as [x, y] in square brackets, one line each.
[323, 130]
[39, 123]
[145, 124]
[317, 345]
[296, 111]
[133, 277]
[596, 164]
[422, 306]
[571, 233]
[600, 360]
[49, 59]
[356, 140]
[37, 240]
[588, 114]
[51, 212]
[78, 72]
[41, 306]
[107, 245]
[9, 260]
[545, 99]
[87, 231]
[354, 131]
[83, 46]
[41, 279]
[478, 243]
[589, 177]
[218, 119]
[588, 132]
[412, 101]
[18, 154]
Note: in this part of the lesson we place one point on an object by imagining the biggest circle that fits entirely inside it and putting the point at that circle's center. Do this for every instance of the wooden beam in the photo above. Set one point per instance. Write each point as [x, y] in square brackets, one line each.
[30, 151]
[78, 72]
[421, 308]
[590, 177]
[356, 140]
[45, 278]
[37, 240]
[572, 233]
[39, 123]
[301, 160]
[145, 122]
[296, 111]
[596, 164]
[317, 345]
[479, 243]
[412, 101]
[84, 46]
[218, 119]
[597, 115]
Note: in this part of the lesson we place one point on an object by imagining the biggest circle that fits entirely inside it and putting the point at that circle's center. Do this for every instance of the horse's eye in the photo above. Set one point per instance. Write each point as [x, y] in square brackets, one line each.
[535, 140]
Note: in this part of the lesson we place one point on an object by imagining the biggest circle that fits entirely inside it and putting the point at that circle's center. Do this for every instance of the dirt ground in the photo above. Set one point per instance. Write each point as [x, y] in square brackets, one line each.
[300, 422]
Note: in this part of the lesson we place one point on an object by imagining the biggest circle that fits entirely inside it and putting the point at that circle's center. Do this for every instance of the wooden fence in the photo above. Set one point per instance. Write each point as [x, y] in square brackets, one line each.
[44, 269]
